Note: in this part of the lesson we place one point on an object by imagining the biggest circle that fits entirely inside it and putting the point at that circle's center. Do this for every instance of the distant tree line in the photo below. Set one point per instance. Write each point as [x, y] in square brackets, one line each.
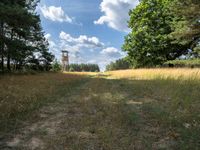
[163, 30]
[84, 68]
[56, 66]
[22, 42]
[119, 64]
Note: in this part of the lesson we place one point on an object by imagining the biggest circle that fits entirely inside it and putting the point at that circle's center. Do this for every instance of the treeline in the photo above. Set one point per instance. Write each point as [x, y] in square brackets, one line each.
[22, 42]
[84, 68]
[118, 65]
[56, 67]
[163, 30]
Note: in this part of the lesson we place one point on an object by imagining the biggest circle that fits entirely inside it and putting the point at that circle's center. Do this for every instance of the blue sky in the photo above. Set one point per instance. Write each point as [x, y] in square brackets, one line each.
[91, 30]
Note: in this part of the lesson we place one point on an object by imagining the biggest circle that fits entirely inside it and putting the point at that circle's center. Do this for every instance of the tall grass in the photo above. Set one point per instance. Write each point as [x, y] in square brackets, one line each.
[126, 109]
[175, 99]
[20, 95]
[149, 74]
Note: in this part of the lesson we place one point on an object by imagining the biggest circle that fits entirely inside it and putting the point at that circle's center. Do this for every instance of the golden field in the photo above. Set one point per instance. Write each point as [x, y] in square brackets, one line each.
[148, 74]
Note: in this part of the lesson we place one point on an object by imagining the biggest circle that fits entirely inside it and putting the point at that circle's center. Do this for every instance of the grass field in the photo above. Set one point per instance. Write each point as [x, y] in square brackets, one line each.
[119, 110]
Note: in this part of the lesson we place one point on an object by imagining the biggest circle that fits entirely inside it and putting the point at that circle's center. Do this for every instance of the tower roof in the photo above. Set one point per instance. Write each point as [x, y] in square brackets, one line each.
[64, 51]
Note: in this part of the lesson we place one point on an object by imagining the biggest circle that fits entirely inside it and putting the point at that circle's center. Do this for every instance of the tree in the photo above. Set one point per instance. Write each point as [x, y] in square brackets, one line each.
[21, 35]
[187, 24]
[118, 65]
[149, 43]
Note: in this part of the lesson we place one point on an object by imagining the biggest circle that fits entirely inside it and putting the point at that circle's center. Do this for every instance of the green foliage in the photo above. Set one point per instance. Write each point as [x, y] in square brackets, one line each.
[186, 23]
[162, 30]
[148, 44]
[118, 65]
[191, 63]
[56, 66]
[22, 41]
[84, 67]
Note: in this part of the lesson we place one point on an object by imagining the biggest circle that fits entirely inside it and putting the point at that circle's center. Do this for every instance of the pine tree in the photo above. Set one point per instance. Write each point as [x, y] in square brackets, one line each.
[21, 35]
[187, 23]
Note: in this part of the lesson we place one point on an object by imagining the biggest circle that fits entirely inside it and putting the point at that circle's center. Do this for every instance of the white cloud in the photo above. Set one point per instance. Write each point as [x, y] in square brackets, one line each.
[81, 41]
[116, 13]
[82, 48]
[55, 14]
[47, 36]
[111, 51]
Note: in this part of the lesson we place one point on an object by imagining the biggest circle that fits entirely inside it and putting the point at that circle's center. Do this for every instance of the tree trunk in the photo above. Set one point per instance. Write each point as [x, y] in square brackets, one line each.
[9, 52]
[8, 62]
[2, 46]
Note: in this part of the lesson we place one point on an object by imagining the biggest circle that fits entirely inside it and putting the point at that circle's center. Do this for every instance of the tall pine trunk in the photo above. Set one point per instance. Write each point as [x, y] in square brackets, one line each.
[2, 46]
[9, 53]
[8, 61]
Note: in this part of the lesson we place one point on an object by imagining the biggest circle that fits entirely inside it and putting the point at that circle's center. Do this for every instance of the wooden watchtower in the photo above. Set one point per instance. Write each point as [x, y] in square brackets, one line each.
[65, 60]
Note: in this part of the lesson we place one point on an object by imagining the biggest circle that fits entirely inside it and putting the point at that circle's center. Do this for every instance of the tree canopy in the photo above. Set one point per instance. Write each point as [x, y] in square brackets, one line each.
[155, 31]
[22, 42]
[187, 24]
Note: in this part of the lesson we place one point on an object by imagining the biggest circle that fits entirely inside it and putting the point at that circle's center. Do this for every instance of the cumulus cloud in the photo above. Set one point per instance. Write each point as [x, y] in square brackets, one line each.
[55, 14]
[81, 41]
[111, 51]
[116, 13]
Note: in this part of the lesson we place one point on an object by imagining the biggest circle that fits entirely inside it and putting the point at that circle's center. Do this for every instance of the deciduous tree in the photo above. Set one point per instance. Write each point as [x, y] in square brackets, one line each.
[149, 44]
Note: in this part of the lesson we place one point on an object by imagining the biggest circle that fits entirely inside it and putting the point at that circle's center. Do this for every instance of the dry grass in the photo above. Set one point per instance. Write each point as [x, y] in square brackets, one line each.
[172, 98]
[20, 95]
[82, 73]
[130, 109]
[17, 91]
[149, 74]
